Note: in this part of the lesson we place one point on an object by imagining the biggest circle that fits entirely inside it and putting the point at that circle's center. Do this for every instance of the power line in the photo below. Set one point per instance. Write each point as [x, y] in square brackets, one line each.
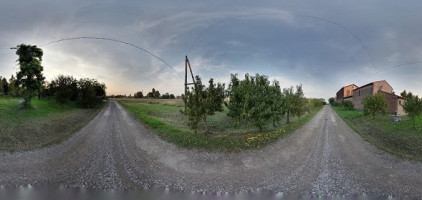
[118, 41]
[278, 13]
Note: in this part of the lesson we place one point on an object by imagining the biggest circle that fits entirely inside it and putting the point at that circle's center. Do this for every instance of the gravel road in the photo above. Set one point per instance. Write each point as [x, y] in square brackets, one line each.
[115, 151]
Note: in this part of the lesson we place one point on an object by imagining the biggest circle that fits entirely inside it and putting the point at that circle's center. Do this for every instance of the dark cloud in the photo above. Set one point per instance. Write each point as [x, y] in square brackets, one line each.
[300, 44]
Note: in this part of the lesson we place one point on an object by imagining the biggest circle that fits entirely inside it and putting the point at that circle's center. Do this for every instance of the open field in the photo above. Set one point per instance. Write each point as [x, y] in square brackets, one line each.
[165, 117]
[48, 123]
[397, 138]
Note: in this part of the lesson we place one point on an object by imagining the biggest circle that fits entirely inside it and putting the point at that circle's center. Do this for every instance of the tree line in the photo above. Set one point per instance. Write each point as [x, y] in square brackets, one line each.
[253, 101]
[154, 94]
[30, 82]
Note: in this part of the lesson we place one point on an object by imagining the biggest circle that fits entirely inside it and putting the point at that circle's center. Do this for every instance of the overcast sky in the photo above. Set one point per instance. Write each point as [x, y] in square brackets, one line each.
[322, 45]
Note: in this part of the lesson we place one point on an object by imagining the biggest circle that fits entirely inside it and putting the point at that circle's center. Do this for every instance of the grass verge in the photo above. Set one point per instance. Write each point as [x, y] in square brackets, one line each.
[166, 119]
[46, 124]
[397, 138]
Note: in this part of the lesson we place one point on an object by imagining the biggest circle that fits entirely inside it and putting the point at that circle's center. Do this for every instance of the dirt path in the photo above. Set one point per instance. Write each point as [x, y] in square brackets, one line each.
[324, 157]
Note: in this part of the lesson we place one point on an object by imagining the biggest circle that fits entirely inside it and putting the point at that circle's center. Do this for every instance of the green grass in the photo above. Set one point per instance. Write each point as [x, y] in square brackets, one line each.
[45, 124]
[165, 117]
[398, 138]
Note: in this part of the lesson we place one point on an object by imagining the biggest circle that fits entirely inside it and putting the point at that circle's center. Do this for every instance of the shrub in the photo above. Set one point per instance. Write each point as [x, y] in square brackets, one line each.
[374, 104]
[348, 105]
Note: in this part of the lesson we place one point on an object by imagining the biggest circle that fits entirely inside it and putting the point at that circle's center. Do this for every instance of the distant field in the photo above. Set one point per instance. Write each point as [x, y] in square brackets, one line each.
[394, 137]
[48, 123]
[165, 116]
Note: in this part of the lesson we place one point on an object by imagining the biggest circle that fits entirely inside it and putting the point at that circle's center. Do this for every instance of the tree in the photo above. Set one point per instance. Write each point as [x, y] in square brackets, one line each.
[374, 104]
[4, 86]
[138, 95]
[413, 106]
[201, 102]
[331, 100]
[403, 94]
[64, 88]
[235, 96]
[299, 102]
[30, 76]
[14, 89]
[194, 103]
[214, 98]
[288, 101]
[87, 96]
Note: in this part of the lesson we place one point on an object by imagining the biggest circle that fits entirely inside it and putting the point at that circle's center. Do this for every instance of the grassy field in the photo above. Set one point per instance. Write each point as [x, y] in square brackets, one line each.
[397, 138]
[165, 117]
[47, 123]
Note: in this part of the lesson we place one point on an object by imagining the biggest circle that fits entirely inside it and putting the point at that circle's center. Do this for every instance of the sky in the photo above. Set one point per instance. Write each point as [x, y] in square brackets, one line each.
[322, 45]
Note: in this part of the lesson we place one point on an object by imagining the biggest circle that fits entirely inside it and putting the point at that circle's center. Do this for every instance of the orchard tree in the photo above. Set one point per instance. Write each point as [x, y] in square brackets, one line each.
[413, 107]
[289, 99]
[299, 102]
[201, 102]
[374, 104]
[235, 99]
[30, 76]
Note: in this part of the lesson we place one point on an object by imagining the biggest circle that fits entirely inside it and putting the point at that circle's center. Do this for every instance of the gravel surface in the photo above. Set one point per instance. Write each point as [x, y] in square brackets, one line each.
[115, 151]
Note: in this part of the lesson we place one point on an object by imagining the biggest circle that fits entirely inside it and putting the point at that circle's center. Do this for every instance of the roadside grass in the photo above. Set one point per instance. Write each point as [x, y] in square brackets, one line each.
[165, 117]
[397, 138]
[46, 124]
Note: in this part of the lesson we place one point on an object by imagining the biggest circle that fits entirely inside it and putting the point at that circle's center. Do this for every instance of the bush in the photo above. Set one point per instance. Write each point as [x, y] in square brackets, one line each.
[348, 105]
[374, 104]
[138, 95]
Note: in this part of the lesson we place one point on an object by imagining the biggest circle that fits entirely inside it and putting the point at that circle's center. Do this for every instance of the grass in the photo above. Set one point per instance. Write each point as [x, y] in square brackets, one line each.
[165, 117]
[397, 138]
[46, 124]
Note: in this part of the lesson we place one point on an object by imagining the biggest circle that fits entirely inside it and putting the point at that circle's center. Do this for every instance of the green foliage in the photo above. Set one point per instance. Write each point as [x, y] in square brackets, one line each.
[155, 94]
[348, 105]
[201, 101]
[90, 93]
[64, 89]
[166, 120]
[14, 89]
[255, 100]
[374, 104]
[30, 76]
[413, 106]
[398, 138]
[299, 102]
[138, 95]
[168, 96]
[331, 100]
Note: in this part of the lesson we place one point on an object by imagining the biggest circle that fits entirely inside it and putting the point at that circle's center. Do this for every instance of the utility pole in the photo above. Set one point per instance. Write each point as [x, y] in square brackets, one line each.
[187, 64]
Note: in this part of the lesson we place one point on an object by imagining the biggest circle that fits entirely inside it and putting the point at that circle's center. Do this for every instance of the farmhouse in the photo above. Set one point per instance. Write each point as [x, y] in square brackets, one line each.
[395, 102]
[345, 93]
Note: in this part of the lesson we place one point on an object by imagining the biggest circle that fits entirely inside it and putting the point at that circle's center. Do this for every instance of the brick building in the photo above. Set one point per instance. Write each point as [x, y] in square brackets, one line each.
[395, 103]
[345, 93]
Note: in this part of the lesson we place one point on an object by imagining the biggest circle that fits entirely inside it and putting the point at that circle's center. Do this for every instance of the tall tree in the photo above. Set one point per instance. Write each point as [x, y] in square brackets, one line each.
[30, 76]
[413, 107]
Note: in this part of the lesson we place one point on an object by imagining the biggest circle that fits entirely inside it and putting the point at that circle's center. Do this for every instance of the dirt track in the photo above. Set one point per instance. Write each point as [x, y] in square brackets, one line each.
[324, 157]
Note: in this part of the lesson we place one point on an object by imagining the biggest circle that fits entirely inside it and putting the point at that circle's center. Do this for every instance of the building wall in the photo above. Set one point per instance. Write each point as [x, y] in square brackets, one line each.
[400, 109]
[383, 86]
[340, 95]
[348, 90]
[359, 94]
